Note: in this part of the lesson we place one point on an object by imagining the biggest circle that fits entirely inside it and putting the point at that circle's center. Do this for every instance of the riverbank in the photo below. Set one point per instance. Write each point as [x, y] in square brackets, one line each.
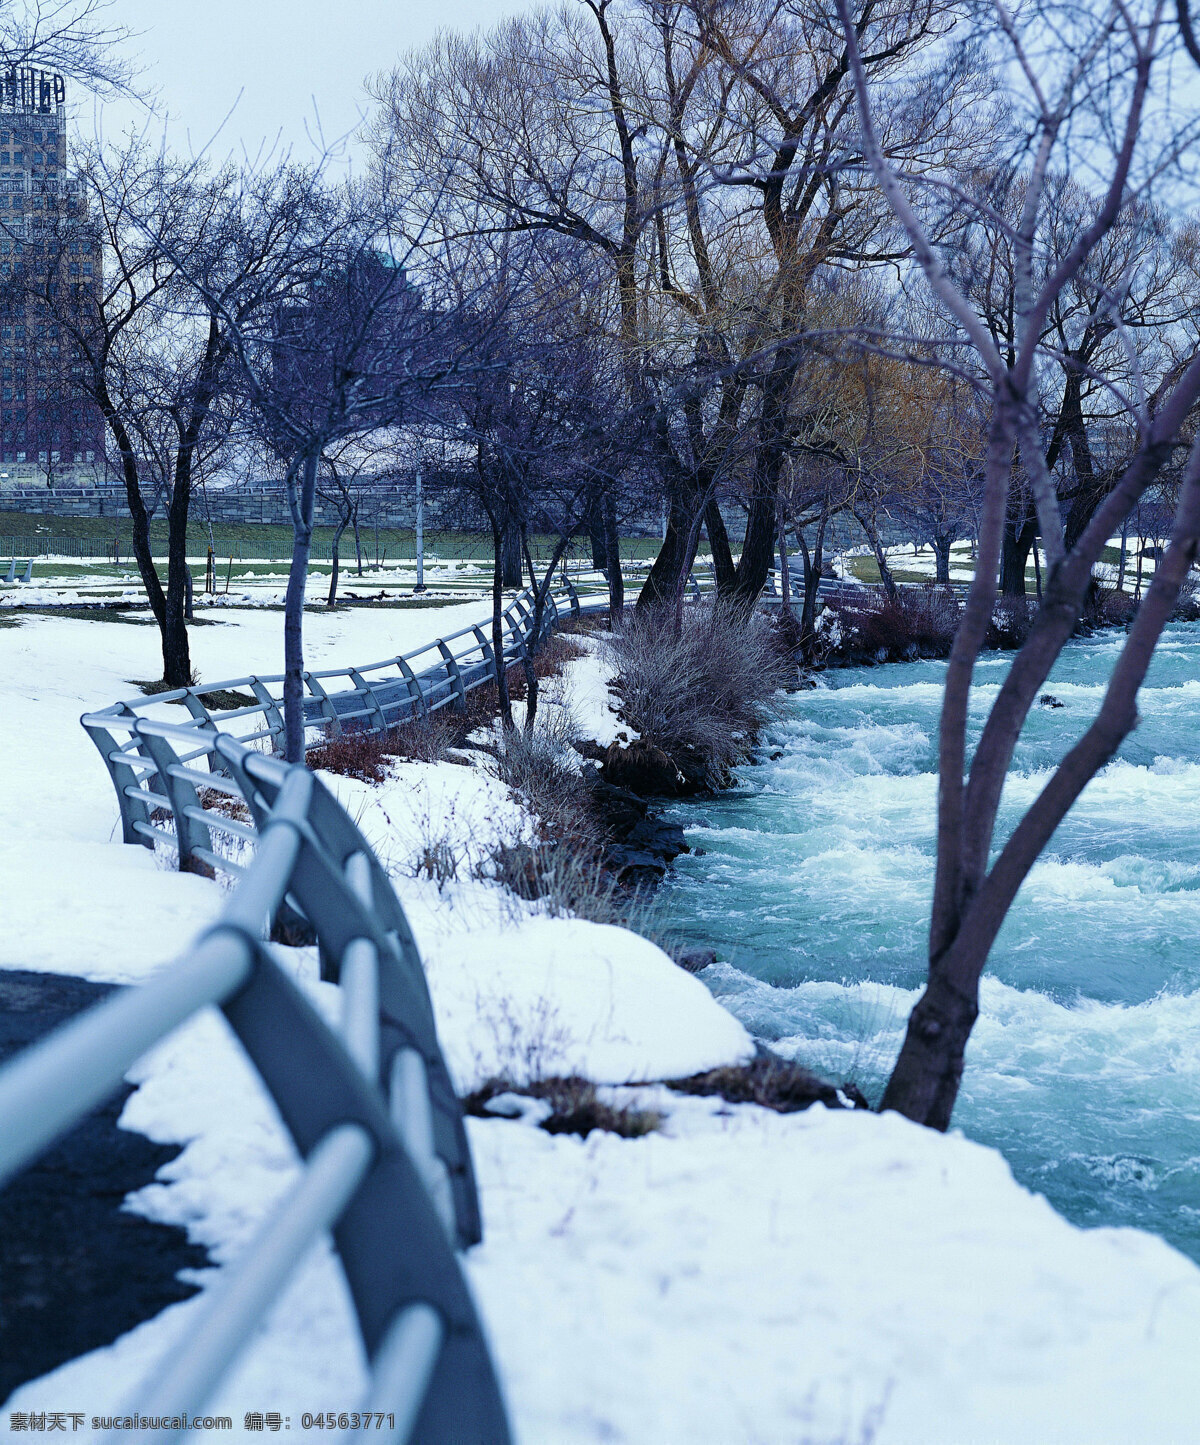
[812, 881]
[734, 1274]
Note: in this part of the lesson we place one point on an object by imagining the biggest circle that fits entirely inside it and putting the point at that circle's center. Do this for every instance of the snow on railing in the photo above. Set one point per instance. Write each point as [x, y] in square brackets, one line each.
[370, 1105]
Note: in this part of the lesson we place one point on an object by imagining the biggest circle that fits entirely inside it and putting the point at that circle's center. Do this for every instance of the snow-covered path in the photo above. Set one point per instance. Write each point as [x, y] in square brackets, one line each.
[739, 1276]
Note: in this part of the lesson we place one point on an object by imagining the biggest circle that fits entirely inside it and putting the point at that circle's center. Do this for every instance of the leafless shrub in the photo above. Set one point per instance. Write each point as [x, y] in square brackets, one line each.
[1012, 622]
[1108, 607]
[918, 622]
[567, 880]
[700, 689]
[1187, 609]
[542, 768]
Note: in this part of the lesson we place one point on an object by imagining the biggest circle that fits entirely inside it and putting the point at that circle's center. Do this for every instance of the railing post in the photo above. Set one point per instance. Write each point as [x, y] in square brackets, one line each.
[368, 696]
[489, 655]
[106, 746]
[190, 834]
[270, 711]
[204, 718]
[332, 722]
[455, 676]
[415, 692]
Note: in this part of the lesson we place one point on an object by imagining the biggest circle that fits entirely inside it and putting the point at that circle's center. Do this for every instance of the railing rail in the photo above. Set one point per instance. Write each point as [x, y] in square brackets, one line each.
[370, 1104]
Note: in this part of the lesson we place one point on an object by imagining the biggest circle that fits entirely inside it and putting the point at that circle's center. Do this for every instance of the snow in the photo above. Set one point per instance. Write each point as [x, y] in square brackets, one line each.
[744, 1276]
[593, 705]
[556, 996]
[737, 1276]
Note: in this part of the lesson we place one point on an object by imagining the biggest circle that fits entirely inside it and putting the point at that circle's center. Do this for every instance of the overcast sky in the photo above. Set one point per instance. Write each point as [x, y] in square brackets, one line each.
[291, 60]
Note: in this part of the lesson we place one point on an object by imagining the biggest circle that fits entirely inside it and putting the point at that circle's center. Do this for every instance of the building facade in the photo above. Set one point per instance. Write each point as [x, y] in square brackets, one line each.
[49, 432]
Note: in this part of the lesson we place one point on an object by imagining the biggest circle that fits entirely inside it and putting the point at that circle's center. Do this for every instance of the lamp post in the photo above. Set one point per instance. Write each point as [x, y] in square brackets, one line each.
[420, 587]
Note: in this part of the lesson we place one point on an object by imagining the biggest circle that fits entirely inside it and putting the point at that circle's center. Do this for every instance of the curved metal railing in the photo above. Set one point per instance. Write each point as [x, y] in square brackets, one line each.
[162, 801]
[370, 1104]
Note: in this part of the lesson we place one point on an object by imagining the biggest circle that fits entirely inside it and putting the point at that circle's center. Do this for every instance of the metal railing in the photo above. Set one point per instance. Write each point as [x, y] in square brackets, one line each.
[159, 793]
[370, 1105]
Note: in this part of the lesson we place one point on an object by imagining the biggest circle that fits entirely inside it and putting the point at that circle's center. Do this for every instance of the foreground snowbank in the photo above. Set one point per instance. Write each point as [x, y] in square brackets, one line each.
[824, 1277]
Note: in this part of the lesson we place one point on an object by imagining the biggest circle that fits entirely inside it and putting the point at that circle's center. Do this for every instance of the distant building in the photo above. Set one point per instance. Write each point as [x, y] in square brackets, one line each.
[49, 433]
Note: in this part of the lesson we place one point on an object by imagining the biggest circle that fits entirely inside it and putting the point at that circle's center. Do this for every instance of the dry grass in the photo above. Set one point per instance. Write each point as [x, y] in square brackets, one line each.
[366, 755]
[920, 622]
[770, 1081]
[575, 1107]
[1187, 607]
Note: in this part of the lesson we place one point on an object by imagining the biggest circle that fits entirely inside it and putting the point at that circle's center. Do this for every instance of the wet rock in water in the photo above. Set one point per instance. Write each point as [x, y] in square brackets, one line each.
[640, 846]
[694, 959]
[1048, 699]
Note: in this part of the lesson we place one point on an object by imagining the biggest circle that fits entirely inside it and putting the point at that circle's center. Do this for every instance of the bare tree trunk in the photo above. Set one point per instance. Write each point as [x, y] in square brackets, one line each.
[1019, 533]
[612, 547]
[343, 523]
[867, 523]
[941, 552]
[505, 701]
[511, 564]
[302, 502]
[718, 544]
[785, 580]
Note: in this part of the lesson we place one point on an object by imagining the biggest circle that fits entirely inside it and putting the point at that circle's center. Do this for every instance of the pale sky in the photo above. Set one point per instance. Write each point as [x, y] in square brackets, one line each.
[292, 60]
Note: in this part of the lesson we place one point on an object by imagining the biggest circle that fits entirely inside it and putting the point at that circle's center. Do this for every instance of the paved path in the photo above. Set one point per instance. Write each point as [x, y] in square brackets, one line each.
[75, 1272]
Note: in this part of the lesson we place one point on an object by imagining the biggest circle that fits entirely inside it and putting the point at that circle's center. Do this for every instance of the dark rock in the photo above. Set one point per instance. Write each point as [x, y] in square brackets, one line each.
[652, 835]
[634, 869]
[588, 749]
[694, 959]
[1048, 699]
[620, 809]
[643, 769]
[856, 1096]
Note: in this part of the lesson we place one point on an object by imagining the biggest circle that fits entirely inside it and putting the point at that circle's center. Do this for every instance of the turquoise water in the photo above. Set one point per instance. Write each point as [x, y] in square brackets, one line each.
[812, 880]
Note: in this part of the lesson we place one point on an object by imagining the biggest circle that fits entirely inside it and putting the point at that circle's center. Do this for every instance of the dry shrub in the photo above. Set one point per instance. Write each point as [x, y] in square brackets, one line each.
[700, 689]
[224, 803]
[548, 661]
[1012, 622]
[1187, 606]
[542, 768]
[1107, 607]
[918, 622]
[575, 1107]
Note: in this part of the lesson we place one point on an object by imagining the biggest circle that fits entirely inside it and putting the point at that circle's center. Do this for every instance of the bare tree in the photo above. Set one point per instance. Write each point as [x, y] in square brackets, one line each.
[1080, 85]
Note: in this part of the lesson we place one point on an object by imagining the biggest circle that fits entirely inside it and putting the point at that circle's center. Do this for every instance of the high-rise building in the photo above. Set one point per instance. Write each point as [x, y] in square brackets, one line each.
[48, 430]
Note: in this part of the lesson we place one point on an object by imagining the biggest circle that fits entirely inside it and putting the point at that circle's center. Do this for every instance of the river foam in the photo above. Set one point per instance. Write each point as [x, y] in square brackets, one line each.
[813, 882]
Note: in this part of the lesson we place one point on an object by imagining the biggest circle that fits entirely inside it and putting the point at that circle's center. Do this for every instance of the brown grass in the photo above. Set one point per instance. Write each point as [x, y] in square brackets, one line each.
[576, 1107]
[366, 755]
[768, 1080]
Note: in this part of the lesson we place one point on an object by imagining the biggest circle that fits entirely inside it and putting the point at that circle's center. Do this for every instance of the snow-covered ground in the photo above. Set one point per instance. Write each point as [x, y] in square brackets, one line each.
[736, 1276]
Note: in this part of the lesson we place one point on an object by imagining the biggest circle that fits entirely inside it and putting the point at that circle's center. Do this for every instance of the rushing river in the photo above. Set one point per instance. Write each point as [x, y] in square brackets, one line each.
[813, 881]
